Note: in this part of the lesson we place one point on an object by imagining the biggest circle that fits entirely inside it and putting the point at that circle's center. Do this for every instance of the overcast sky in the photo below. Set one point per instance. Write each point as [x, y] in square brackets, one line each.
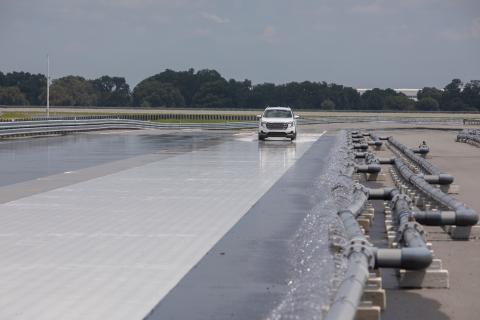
[397, 43]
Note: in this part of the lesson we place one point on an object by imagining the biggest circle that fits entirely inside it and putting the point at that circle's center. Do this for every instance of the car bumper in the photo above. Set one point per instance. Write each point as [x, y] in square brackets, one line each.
[290, 132]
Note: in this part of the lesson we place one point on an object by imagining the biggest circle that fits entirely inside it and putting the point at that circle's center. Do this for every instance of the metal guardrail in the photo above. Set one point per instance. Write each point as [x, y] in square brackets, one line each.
[340, 109]
[64, 125]
[147, 117]
[30, 128]
[186, 117]
[471, 121]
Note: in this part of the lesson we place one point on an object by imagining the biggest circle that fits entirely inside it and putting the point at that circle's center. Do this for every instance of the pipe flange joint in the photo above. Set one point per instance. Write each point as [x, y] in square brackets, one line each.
[360, 187]
[362, 246]
[409, 226]
[401, 196]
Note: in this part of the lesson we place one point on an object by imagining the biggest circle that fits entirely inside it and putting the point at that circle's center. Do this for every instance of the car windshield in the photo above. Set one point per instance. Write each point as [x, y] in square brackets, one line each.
[276, 113]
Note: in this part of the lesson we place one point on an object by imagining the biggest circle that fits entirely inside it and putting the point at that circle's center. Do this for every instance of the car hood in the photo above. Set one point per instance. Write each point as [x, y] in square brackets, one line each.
[277, 120]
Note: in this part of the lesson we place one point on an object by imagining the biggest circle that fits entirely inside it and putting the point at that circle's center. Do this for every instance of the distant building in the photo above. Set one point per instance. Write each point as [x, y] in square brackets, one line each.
[410, 93]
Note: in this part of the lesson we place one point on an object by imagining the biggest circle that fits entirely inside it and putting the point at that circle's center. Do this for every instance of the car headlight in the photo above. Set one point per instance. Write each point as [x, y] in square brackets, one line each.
[291, 124]
[264, 124]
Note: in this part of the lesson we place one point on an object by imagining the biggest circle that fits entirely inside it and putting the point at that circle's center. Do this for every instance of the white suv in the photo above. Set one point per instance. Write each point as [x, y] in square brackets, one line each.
[277, 122]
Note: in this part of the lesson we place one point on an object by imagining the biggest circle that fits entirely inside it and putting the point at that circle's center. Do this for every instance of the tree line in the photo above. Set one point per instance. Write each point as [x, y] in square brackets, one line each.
[208, 89]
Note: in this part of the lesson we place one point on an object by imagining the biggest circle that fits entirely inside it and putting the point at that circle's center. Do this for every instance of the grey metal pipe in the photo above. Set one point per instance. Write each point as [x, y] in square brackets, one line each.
[352, 228]
[469, 137]
[368, 168]
[463, 216]
[380, 194]
[361, 146]
[424, 164]
[442, 179]
[428, 218]
[370, 158]
[360, 256]
[350, 291]
[411, 236]
[445, 218]
[359, 199]
[386, 160]
[360, 155]
[414, 255]
[436, 218]
[405, 258]
[376, 140]
[375, 143]
[421, 150]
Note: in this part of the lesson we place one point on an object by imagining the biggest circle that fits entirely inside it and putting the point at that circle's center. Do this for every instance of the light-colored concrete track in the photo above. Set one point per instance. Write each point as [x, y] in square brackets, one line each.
[461, 258]
[113, 246]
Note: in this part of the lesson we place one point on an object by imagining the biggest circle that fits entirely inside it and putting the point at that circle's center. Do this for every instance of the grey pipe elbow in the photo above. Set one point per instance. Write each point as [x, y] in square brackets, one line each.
[380, 194]
[386, 160]
[415, 258]
[370, 168]
[374, 168]
[442, 179]
[445, 178]
[423, 150]
[361, 146]
[466, 217]
[435, 218]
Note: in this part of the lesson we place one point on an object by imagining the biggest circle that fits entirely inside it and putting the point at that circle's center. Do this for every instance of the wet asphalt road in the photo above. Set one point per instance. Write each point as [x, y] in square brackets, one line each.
[57, 235]
[246, 274]
[28, 159]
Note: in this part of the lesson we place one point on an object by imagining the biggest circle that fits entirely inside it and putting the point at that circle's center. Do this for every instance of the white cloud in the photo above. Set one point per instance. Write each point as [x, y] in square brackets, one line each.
[369, 8]
[269, 34]
[454, 35]
[214, 18]
[475, 28]
[201, 32]
[466, 33]
[131, 4]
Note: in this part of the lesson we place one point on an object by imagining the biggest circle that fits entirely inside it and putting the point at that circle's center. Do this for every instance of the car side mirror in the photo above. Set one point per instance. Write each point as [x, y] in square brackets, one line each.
[296, 117]
[258, 116]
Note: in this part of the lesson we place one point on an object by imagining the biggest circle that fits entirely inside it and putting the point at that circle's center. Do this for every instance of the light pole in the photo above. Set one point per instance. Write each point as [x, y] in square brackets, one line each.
[48, 86]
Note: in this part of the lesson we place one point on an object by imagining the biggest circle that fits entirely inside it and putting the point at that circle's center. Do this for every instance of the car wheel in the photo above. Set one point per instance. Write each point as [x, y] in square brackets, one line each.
[261, 138]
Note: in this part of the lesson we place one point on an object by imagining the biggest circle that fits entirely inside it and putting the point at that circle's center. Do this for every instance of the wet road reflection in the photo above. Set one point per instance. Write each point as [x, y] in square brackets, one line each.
[27, 159]
[285, 151]
[83, 248]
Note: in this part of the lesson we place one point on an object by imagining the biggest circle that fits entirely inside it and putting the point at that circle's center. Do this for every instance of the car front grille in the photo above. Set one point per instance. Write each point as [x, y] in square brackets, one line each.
[277, 126]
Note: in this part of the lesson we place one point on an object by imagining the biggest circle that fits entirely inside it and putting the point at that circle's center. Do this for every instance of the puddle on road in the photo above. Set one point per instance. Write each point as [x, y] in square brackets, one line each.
[301, 138]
